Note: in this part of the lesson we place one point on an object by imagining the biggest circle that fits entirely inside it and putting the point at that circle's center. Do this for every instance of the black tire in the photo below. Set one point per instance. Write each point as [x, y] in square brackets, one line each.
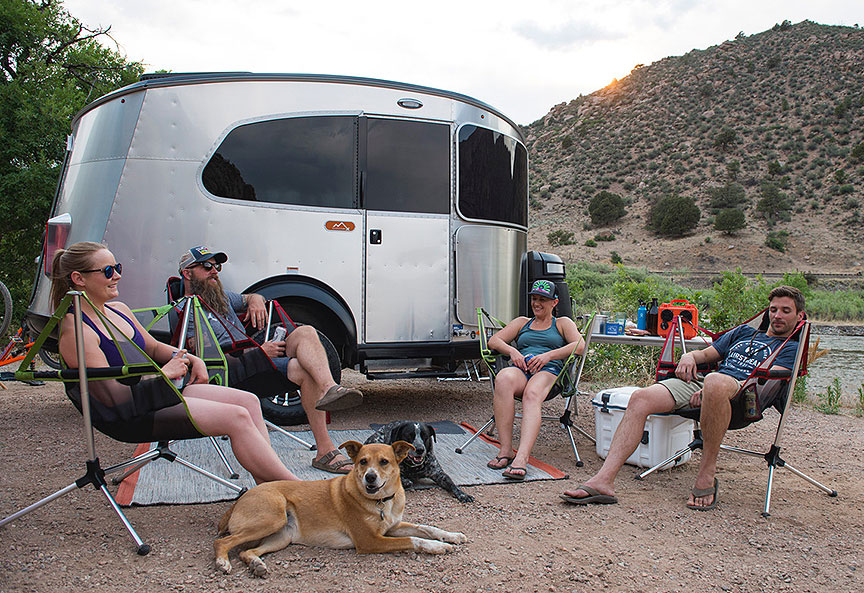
[52, 359]
[6, 312]
[285, 409]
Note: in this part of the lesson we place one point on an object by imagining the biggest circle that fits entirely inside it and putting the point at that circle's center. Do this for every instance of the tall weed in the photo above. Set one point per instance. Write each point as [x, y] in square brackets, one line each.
[830, 400]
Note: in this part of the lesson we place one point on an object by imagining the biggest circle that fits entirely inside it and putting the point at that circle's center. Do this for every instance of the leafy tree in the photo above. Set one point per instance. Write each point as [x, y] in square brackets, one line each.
[729, 221]
[735, 300]
[774, 205]
[51, 65]
[606, 208]
[730, 195]
[857, 153]
[674, 216]
[725, 139]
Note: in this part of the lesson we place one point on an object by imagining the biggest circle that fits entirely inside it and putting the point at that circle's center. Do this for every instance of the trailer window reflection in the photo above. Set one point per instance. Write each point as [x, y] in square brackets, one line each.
[493, 176]
[306, 161]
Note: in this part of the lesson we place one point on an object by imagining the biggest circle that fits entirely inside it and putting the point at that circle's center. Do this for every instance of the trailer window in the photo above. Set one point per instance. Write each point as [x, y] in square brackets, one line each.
[493, 176]
[306, 161]
[407, 166]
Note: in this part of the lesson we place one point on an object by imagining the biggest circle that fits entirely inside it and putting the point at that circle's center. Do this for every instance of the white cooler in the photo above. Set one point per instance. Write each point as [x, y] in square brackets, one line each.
[664, 435]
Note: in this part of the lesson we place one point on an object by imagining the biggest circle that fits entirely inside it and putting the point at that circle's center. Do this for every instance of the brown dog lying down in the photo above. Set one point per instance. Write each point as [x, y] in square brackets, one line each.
[362, 510]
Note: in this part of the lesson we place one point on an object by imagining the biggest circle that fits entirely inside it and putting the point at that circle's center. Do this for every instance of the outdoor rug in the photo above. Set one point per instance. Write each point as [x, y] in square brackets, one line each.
[163, 482]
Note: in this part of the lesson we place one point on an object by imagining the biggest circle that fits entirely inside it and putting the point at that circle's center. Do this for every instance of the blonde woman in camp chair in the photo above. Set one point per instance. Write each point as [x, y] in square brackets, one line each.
[149, 409]
[537, 347]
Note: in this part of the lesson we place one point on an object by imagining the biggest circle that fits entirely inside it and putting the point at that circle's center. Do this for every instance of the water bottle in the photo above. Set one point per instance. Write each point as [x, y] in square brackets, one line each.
[642, 316]
[653, 310]
[750, 404]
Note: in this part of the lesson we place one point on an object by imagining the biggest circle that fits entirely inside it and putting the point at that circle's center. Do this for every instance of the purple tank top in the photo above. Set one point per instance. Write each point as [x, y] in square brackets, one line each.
[106, 344]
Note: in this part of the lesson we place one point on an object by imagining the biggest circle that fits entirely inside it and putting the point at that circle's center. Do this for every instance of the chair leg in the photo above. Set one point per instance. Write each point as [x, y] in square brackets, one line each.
[290, 435]
[95, 475]
[231, 473]
[475, 435]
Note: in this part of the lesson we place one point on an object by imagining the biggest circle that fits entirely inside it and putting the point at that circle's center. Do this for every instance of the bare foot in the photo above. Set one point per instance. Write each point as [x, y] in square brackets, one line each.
[580, 493]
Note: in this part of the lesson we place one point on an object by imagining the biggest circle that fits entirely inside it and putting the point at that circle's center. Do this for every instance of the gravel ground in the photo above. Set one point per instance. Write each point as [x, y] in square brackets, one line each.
[521, 536]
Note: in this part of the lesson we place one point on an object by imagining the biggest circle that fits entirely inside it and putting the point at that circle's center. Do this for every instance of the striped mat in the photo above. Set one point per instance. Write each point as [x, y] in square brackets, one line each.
[163, 482]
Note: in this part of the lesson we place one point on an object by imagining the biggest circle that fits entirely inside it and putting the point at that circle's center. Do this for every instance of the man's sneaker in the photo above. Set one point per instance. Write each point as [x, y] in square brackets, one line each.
[339, 398]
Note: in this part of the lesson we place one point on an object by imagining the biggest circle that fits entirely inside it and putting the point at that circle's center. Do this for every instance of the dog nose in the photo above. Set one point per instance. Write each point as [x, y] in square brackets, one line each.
[371, 477]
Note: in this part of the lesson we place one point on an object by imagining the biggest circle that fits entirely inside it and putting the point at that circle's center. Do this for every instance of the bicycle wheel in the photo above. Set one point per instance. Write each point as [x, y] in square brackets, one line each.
[6, 318]
[52, 359]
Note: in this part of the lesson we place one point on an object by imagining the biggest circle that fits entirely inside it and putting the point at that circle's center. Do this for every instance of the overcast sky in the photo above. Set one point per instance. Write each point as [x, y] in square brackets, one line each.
[522, 57]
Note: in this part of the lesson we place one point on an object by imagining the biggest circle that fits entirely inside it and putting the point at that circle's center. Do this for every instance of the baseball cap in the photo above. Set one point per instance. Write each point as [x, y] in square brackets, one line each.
[198, 254]
[544, 288]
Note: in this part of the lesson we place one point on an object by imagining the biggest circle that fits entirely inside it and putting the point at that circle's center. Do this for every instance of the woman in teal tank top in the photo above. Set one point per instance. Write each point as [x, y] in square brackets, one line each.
[537, 347]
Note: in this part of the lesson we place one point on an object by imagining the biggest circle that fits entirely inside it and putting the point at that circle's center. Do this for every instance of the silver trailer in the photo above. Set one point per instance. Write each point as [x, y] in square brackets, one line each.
[382, 213]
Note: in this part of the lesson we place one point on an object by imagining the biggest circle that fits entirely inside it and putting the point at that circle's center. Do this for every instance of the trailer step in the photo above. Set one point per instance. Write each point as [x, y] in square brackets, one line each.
[415, 374]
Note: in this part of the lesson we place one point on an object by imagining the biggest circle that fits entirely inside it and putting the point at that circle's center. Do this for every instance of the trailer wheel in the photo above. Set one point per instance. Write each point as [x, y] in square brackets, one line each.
[285, 409]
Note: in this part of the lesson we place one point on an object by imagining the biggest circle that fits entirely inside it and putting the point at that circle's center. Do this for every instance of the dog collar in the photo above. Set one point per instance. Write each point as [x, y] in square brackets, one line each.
[380, 504]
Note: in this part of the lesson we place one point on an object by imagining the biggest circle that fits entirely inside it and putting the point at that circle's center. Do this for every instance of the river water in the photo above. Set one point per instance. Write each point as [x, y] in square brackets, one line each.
[845, 361]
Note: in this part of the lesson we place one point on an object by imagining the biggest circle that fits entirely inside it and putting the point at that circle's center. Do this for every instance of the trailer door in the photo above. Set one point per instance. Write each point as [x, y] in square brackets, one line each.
[405, 190]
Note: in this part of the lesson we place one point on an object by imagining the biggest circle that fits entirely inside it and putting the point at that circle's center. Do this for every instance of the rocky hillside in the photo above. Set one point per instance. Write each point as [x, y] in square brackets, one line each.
[783, 108]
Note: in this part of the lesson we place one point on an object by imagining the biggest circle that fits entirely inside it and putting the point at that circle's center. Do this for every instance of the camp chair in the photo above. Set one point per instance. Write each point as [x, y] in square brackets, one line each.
[566, 384]
[108, 389]
[278, 405]
[772, 388]
[221, 359]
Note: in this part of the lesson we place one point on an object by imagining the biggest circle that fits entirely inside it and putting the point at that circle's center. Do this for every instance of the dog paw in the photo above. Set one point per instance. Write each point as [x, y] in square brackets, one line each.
[431, 546]
[454, 537]
[462, 497]
[258, 568]
[224, 565]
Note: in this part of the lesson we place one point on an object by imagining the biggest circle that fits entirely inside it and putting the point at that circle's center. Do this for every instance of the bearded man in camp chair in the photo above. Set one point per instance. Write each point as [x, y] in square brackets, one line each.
[738, 352]
[300, 356]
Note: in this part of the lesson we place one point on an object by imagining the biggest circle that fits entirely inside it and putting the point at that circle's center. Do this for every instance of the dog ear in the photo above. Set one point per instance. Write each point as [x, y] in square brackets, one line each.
[351, 447]
[432, 431]
[401, 449]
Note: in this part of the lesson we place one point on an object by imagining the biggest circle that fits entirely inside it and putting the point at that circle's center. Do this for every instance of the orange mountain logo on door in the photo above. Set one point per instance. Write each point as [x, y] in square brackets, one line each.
[339, 225]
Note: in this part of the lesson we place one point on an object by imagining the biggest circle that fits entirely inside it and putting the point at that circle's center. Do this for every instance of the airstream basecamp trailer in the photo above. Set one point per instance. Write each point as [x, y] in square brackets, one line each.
[383, 213]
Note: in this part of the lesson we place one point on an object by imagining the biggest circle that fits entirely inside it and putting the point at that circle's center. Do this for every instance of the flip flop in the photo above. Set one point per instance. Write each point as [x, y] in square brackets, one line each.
[327, 463]
[594, 497]
[493, 465]
[508, 473]
[702, 493]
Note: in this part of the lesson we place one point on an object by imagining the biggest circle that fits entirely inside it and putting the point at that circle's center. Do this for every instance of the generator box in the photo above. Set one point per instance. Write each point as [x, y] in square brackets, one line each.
[664, 434]
[684, 309]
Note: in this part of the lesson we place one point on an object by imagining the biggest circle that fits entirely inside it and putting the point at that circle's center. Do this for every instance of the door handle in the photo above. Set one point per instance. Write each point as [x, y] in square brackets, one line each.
[375, 236]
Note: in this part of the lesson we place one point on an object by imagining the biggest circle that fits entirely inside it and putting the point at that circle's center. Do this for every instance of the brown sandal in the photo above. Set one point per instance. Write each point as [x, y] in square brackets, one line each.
[496, 463]
[327, 463]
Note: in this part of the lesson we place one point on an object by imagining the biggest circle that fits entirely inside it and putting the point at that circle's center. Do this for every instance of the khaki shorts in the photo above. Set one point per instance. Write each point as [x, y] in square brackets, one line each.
[682, 390]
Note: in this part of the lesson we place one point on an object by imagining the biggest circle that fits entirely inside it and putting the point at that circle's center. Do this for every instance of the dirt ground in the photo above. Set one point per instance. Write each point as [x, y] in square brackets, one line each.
[521, 536]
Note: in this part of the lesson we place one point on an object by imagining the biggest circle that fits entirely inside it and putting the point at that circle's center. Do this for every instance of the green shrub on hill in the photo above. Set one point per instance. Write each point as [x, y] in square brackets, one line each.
[674, 216]
[729, 221]
[605, 208]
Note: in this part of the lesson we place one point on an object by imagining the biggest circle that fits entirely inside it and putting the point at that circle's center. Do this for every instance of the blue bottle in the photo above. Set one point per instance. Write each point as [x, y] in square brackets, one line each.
[642, 316]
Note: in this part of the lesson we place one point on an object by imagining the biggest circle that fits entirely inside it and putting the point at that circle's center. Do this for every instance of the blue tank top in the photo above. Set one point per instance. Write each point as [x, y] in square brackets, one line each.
[107, 345]
[532, 341]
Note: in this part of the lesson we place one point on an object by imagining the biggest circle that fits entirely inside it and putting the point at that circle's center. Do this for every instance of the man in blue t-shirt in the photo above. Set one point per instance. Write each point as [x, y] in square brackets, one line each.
[738, 351]
[299, 356]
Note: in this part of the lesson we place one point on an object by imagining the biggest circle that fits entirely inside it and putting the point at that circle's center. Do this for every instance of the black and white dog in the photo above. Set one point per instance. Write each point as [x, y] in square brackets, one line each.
[420, 463]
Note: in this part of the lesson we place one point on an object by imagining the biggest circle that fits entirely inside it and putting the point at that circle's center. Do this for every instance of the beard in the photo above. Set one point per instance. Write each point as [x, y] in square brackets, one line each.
[211, 293]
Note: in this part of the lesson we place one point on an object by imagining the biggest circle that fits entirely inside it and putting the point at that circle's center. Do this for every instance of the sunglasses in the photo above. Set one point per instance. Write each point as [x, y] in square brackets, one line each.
[107, 270]
[209, 266]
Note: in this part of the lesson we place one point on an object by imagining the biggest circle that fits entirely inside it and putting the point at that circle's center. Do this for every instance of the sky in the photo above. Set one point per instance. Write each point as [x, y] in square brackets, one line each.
[522, 57]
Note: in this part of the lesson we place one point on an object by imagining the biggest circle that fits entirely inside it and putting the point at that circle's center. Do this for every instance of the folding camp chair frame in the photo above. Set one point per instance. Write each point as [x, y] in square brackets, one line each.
[772, 456]
[566, 384]
[94, 474]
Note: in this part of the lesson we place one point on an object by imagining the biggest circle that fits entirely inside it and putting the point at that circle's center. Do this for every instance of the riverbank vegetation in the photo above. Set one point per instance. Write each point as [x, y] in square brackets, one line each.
[732, 299]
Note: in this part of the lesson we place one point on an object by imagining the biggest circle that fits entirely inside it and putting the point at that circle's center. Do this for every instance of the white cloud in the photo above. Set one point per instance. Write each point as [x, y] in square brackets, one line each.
[523, 58]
